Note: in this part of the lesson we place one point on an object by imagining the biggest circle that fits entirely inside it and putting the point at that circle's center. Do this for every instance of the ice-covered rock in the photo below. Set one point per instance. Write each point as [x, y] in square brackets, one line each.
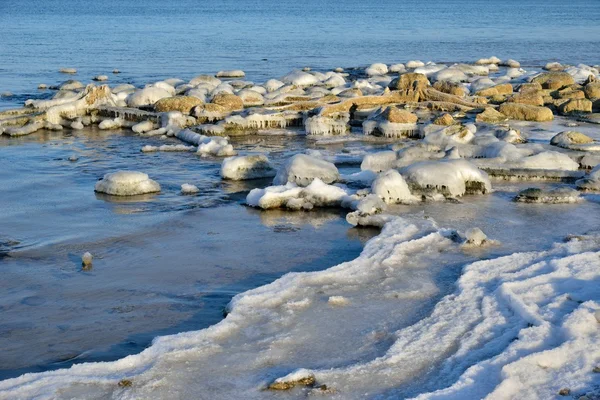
[86, 260]
[575, 141]
[451, 178]
[187, 189]
[412, 64]
[217, 146]
[300, 78]
[550, 160]
[391, 187]
[302, 169]
[147, 97]
[294, 197]
[322, 125]
[379, 161]
[236, 73]
[183, 104]
[391, 122]
[126, 183]
[247, 167]
[376, 69]
[590, 182]
[552, 196]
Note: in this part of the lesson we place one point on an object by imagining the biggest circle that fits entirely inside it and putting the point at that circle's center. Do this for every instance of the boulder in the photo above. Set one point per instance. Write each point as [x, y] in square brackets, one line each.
[126, 183]
[411, 81]
[247, 167]
[183, 104]
[490, 116]
[554, 80]
[450, 88]
[526, 112]
[228, 101]
[575, 106]
[302, 169]
[445, 119]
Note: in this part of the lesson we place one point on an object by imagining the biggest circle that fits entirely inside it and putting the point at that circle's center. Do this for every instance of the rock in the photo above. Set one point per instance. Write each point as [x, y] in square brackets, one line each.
[475, 237]
[126, 183]
[146, 97]
[575, 106]
[554, 80]
[445, 119]
[450, 88]
[569, 138]
[391, 122]
[526, 112]
[86, 260]
[230, 102]
[77, 125]
[247, 167]
[251, 98]
[564, 392]
[183, 104]
[490, 116]
[554, 66]
[376, 69]
[237, 73]
[396, 68]
[42, 86]
[505, 88]
[100, 78]
[511, 63]
[391, 187]
[71, 85]
[187, 189]
[592, 90]
[414, 64]
[116, 71]
[67, 70]
[6, 94]
[590, 182]
[411, 81]
[531, 98]
[301, 377]
[550, 196]
[302, 169]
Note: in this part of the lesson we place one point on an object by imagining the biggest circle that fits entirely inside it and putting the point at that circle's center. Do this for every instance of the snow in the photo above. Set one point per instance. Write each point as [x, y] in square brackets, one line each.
[247, 167]
[449, 177]
[126, 183]
[302, 169]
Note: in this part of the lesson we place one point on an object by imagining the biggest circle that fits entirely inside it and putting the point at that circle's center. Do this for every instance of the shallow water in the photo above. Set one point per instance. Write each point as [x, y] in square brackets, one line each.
[163, 263]
[269, 38]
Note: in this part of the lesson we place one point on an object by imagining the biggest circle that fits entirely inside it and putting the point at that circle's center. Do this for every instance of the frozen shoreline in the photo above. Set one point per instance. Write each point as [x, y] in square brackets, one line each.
[377, 142]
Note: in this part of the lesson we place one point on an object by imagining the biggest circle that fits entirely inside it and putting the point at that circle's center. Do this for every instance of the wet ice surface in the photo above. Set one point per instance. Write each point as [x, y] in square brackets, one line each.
[163, 263]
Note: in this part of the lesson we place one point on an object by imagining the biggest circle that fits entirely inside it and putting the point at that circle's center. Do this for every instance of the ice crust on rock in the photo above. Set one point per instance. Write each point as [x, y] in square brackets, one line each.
[247, 167]
[127, 183]
[302, 169]
[451, 178]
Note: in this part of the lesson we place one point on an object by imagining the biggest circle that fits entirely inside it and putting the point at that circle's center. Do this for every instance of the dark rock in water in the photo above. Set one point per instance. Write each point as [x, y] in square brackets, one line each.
[552, 196]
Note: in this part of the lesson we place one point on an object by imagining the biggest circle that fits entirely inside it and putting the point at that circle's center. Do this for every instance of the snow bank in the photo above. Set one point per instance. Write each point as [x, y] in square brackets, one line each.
[247, 167]
[302, 169]
[126, 183]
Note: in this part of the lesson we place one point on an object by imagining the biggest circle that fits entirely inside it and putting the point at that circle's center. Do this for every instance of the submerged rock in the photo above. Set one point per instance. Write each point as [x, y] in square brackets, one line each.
[553, 196]
[127, 183]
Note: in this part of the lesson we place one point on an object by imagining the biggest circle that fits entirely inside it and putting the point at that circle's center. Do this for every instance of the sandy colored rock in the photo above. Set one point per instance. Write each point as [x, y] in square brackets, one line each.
[445, 119]
[570, 92]
[575, 106]
[529, 97]
[592, 90]
[398, 116]
[490, 116]
[450, 88]
[554, 80]
[183, 104]
[505, 88]
[409, 81]
[229, 101]
[572, 137]
[526, 112]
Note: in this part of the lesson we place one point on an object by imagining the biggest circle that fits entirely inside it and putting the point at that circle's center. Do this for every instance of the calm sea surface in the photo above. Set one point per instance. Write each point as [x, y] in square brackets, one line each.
[158, 39]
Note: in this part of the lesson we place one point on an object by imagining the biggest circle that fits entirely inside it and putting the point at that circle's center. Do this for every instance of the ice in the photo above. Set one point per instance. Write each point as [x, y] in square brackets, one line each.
[126, 183]
[218, 147]
[451, 178]
[147, 96]
[376, 69]
[391, 187]
[302, 169]
[327, 126]
[167, 147]
[300, 78]
[590, 182]
[294, 197]
[187, 189]
[548, 160]
[247, 167]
